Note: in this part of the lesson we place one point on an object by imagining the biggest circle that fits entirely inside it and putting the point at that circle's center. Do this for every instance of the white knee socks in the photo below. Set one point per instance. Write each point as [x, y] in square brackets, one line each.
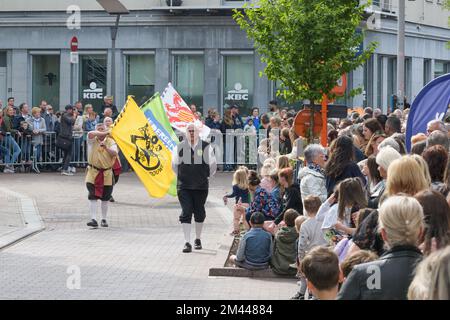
[187, 232]
[93, 209]
[198, 229]
[104, 209]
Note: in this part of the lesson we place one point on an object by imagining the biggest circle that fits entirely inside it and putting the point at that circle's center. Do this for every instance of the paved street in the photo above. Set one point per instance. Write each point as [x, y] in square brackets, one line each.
[138, 257]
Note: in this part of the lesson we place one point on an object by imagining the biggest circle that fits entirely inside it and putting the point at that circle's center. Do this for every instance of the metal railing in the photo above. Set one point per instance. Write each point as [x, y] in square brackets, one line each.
[27, 155]
[232, 149]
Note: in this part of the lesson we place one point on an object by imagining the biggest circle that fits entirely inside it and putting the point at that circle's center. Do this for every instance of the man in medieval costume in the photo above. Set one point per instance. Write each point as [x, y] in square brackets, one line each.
[102, 154]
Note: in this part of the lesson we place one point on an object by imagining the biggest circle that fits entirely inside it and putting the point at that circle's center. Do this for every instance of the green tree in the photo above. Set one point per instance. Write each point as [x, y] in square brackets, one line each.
[447, 6]
[306, 44]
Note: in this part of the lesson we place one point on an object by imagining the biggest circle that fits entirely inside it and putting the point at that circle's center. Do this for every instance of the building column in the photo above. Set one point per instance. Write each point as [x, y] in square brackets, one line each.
[66, 82]
[120, 98]
[19, 75]
[162, 69]
[375, 81]
[417, 70]
[384, 84]
[431, 75]
[211, 86]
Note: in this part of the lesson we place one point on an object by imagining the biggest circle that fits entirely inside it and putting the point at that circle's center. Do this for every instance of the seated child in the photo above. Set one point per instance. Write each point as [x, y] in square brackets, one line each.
[299, 221]
[285, 249]
[241, 195]
[321, 269]
[255, 247]
[311, 235]
[266, 171]
[356, 258]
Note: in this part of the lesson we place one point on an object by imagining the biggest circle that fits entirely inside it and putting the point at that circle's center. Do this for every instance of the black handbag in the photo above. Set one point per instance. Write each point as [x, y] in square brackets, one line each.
[64, 143]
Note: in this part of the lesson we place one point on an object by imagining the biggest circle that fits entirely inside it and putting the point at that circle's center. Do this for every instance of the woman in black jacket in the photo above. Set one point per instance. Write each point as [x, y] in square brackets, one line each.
[64, 138]
[291, 197]
[388, 278]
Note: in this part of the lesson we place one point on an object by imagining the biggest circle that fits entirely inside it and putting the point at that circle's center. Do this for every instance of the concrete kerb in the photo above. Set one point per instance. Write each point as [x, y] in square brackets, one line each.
[224, 245]
[223, 250]
[32, 220]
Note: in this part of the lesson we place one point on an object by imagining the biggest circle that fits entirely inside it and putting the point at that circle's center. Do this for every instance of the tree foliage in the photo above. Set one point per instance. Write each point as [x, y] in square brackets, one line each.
[447, 6]
[306, 44]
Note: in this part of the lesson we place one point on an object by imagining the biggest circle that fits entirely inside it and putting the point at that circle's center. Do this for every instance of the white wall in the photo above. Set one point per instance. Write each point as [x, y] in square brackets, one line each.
[62, 5]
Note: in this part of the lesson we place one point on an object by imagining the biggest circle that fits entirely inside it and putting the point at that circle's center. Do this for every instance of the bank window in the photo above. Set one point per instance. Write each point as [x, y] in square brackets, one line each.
[46, 77]
[188, 78]
[441, 68]
[93, 70]
[238, 75]
[140, 79]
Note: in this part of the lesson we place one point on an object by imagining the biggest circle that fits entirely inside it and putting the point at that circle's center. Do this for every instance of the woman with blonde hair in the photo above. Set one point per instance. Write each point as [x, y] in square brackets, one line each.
[401, 226]
[90, 118]
[241, 195]
[432, 279]
[405, 175]
[424, 167]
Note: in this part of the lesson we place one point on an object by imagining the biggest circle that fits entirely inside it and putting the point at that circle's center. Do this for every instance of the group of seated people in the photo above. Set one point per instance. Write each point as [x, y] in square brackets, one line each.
[346, 218]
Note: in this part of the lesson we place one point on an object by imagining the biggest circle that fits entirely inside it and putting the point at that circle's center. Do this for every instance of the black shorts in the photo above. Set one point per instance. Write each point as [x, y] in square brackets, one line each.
[192, 203]
[107, 192]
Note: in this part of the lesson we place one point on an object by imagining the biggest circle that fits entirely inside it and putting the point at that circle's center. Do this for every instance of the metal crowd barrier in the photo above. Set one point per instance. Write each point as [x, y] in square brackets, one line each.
[232, 149]
[45, 156]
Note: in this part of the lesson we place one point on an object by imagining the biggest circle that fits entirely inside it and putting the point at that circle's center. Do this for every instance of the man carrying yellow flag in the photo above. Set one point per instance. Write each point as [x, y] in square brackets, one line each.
[194, 162]
[149, 157]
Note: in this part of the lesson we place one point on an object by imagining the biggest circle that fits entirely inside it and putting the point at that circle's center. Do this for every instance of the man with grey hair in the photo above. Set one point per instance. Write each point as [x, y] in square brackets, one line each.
[437, 137]
[434, 125]
[194, 163]
[312, 177]
[108, 103]
[391, 143]
[377, 112]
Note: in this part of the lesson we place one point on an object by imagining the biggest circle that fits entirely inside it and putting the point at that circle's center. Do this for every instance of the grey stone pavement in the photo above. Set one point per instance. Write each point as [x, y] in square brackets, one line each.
[10, 214]
[138, 257]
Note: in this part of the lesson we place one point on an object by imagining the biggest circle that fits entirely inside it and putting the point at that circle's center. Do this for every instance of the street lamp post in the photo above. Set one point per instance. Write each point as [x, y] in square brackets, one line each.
[113, 7]
[401, 54]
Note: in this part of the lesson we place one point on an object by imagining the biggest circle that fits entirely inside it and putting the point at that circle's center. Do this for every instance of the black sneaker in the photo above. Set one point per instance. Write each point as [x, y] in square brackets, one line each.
[104, 224]
[93, 223]
[112, 199]
[197, 244]
[187, 248]
[298, 296]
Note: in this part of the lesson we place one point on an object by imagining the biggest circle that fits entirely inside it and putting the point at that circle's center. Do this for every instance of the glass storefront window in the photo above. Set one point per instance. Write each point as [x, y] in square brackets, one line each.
[140, 77]
[238, 75]
[46, 78]
[441, 68]
[93, 80]
[188, 78]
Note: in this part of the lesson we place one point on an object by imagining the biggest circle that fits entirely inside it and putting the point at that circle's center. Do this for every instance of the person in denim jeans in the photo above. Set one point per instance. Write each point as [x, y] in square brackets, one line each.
[255, 247]
[8, 142]
[38, 128]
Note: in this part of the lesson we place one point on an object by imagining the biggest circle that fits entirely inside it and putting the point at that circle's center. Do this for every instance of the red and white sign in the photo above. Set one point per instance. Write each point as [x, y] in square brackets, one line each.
[178, 112]
[74, 50]
[74, 44]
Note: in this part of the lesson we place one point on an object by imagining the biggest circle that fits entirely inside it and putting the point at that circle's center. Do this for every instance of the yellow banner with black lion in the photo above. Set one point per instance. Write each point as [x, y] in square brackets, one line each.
[149, 157]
